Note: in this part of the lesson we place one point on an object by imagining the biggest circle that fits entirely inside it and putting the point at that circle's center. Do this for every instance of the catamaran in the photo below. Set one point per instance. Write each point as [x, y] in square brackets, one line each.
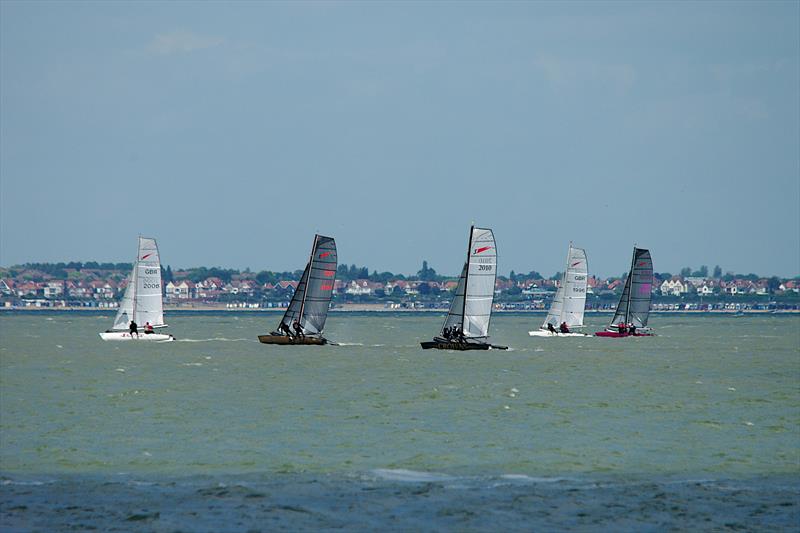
[570, 299]
[142, 302]
[633, 309]
[467, 324]
[305, 317]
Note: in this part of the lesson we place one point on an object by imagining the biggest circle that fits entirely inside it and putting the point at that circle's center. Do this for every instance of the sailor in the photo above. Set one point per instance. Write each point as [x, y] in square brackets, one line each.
[622, 329]
[298, 329]
[632, 329]
[460, 335]
[551, 329]
[563, 327]
[446, 333]
[134, 328]
[283, 328]
[148, 328]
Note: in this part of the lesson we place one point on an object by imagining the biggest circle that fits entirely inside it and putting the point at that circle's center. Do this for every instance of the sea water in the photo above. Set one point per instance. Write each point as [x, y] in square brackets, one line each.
[697, 427]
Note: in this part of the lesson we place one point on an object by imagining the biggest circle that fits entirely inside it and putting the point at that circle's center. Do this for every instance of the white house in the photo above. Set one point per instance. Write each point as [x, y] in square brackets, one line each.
[674, 286]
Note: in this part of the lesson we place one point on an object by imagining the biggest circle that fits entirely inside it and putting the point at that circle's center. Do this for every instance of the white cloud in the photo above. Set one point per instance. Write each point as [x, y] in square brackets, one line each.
[181, 41]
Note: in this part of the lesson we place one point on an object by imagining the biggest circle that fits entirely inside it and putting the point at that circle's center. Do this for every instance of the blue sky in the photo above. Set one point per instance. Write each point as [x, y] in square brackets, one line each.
[233, 131]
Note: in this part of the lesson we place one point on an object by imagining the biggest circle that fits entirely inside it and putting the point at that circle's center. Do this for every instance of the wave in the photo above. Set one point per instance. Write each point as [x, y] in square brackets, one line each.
[410, 476]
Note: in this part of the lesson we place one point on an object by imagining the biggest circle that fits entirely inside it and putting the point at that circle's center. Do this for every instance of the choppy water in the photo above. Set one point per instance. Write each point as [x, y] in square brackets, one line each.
[707, 415]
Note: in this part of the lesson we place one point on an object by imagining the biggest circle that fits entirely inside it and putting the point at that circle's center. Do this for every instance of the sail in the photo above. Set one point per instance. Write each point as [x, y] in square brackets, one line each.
[481, 274]
[312, 298]
[634, 304]
[142, 300]
[570, 300]
[456, 312]
[471, 309]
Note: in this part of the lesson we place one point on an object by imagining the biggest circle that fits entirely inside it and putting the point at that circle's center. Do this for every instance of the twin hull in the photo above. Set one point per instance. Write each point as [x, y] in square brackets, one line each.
[286, 340]
[126, 336]
[546, 333]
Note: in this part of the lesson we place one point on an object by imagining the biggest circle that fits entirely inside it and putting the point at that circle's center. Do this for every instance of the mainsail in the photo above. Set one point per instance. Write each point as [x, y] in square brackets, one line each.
[142, 301]
[471, 309]
[570, 300]
[312, 297]
[634, 304]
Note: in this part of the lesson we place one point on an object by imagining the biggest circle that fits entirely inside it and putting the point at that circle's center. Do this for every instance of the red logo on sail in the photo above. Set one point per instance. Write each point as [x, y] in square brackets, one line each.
[643, 263]
[326, 287]
[330, 273]
[323, 255]
[482, 249]
[145, 257]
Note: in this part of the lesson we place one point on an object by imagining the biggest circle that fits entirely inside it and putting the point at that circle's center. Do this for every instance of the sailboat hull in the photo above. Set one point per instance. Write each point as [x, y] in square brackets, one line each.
[460, 346]
[285, 340]
[546, 333]
[126, 336]
[617, 335]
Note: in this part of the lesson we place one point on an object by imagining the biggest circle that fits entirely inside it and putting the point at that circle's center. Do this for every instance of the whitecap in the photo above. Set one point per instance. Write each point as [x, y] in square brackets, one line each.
[411, 476]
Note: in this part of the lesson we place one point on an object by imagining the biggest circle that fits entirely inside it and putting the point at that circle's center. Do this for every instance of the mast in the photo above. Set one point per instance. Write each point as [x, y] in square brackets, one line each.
[630, 285]
[466, 279]
[305, 292]
[135, 276]
[563, 284]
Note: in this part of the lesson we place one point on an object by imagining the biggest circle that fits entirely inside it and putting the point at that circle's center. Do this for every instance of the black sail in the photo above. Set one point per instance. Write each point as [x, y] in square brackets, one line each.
[634, 304]
[312, 297]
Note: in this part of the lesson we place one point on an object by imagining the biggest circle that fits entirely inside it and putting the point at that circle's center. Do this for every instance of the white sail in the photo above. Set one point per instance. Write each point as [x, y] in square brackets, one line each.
[142, 301]
[570, 300]
[481, 273]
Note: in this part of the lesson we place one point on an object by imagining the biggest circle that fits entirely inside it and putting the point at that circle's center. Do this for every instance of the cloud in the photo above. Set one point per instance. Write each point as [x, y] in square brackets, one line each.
[181, 42]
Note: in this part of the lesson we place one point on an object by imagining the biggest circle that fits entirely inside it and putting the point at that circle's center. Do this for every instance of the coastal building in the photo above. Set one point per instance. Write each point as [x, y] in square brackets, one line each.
[674, 286]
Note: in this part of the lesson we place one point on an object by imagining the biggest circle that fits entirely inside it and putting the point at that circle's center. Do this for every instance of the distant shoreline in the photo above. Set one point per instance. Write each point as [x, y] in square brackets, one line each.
[378, 308]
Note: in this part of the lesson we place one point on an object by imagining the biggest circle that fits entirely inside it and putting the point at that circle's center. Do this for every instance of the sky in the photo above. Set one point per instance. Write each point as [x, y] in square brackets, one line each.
[232, 132]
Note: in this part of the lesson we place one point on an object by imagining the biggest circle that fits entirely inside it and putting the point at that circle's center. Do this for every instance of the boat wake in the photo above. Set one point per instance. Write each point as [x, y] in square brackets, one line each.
[216, 339]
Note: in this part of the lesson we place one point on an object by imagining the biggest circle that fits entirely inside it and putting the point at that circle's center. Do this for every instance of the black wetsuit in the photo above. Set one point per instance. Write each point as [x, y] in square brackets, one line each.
[134, 328]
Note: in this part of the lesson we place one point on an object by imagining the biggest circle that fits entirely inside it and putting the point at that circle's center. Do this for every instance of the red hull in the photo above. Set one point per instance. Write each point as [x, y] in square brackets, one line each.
[616, 334]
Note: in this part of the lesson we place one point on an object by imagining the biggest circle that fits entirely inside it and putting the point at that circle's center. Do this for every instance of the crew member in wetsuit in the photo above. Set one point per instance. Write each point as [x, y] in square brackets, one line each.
[148, 328]
[563, 327]
[551, 329]
[283, 328]
[622, 329]
[632, 329]
[298, 329]
[134, 328]
[446, 333]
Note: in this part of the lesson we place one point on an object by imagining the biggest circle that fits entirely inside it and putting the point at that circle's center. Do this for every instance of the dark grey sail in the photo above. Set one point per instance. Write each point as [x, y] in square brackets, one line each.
[634, 304]
[312, 297]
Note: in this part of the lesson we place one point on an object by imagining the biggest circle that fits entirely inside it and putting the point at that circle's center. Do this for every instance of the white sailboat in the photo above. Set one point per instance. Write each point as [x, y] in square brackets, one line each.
[570, 301]
[142, 302]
